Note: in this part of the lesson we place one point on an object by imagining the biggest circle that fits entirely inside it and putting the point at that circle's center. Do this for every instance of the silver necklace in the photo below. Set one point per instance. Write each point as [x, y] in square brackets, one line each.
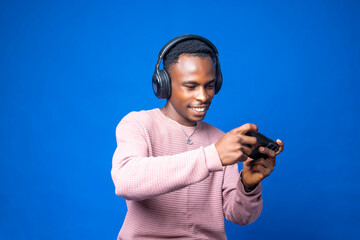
[188, 140]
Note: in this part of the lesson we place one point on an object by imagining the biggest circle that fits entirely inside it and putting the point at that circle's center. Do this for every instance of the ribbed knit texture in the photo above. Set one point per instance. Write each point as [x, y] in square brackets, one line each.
[174, 189]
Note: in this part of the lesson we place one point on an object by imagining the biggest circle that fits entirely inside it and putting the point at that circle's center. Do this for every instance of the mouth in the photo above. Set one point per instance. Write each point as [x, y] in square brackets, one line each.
[199, 110]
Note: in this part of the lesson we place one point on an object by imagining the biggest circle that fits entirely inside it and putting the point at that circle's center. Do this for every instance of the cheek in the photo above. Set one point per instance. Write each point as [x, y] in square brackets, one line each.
[181, 95]
[211, 93]
[179, 100]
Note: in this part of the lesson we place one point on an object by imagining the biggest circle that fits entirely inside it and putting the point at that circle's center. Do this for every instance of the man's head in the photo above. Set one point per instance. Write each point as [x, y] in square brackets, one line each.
[192, 88]
[190, 79]
[191, 67]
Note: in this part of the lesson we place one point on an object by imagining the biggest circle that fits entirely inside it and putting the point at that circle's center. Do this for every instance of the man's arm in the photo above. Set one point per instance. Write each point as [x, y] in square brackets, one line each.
[137, 176]
[243, 200]
[240, 206]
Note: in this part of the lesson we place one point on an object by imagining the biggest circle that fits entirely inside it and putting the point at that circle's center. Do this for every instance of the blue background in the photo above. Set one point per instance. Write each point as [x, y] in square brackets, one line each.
[71, 70]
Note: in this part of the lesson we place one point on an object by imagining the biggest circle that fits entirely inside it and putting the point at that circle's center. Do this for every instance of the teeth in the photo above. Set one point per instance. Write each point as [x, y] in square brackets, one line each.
[199, 109]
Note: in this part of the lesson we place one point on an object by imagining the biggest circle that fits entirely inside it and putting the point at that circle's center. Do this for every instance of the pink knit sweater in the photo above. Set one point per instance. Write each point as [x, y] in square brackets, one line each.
[174, 189]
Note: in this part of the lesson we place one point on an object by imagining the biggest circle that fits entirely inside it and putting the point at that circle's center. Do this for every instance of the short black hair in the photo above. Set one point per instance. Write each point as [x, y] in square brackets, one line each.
[192, 47]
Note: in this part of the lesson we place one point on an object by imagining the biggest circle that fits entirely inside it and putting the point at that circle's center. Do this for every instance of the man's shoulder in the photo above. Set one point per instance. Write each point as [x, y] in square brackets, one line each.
[212, 129]
[143, 116]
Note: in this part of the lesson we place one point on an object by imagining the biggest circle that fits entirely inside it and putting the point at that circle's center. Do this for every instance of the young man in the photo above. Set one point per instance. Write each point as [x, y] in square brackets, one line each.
[179, 174]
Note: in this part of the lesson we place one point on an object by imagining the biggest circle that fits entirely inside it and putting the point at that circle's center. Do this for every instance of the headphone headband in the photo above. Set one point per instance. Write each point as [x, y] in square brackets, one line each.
[182, 38]
[186, 37]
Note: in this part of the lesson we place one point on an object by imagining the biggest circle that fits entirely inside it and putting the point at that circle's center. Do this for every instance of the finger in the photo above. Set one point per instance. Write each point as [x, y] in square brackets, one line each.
[272, 161]
[243, 139]
[261, 169]
[281, 146]
[246, 149]
[266, 163]
[267, 151]
[246, 128]
[242, 158]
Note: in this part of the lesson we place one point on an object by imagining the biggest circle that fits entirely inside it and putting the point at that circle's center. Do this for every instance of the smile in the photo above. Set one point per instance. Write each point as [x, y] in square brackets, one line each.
[199, 109]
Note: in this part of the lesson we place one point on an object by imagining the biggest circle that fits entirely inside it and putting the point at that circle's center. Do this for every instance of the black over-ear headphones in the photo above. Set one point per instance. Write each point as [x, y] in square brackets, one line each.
[161, 79]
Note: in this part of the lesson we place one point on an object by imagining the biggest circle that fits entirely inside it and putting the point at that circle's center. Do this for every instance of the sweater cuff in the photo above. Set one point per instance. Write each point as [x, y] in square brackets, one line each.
[212, 159]
[241, 188]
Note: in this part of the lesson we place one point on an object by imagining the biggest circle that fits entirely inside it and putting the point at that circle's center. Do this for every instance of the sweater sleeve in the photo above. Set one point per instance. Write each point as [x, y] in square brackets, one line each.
[239, 206]
[138, 176]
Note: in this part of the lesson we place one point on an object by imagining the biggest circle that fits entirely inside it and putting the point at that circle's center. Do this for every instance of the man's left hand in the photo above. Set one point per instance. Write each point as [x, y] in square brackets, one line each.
[254, 171]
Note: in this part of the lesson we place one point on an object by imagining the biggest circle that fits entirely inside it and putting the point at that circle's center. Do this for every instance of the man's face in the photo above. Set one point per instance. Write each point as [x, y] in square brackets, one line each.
[192, 89]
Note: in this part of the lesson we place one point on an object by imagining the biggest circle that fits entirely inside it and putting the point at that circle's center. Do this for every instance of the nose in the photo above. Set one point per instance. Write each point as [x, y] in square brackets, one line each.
[201, 95]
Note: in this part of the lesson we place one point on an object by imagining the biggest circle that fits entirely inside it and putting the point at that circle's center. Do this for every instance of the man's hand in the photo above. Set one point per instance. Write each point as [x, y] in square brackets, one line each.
[234, 146]
[254, 171]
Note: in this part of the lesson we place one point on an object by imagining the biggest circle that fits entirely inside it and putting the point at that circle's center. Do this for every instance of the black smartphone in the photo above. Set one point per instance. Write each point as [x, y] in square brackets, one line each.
[262, 141]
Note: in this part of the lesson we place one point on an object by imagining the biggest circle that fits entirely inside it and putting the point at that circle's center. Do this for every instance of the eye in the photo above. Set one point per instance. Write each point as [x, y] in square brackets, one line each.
[191, 87]
[211, 86]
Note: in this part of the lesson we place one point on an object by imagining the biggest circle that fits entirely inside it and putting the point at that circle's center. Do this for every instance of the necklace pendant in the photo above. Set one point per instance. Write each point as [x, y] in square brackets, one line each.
[188, 141]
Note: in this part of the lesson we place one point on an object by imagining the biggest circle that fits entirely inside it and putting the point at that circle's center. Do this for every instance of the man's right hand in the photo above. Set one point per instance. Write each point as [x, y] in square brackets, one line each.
[234, 146]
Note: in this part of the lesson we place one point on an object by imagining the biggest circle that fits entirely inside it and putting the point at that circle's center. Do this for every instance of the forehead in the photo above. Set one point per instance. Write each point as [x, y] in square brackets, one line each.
[190, 67]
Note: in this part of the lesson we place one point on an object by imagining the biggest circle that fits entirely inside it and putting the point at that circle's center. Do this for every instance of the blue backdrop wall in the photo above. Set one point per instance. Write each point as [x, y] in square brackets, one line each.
[70, 70]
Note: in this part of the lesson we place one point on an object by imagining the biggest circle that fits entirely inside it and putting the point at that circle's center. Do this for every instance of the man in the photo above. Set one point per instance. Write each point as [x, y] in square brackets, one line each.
[179, 174]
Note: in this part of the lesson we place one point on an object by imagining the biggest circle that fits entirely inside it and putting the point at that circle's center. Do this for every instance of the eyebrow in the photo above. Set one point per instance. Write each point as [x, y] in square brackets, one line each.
[196, 83]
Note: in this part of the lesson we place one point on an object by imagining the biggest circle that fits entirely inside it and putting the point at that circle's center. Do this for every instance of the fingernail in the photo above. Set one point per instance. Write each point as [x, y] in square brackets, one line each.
[261, 148]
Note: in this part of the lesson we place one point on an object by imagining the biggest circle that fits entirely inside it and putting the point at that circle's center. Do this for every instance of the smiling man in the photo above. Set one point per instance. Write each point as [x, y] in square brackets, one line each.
[178, 174]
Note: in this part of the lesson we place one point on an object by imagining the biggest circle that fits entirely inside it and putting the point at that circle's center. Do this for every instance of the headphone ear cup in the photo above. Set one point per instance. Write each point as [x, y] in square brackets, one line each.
[166, 84]
[156, 83]
[219, 79]
[161, 84]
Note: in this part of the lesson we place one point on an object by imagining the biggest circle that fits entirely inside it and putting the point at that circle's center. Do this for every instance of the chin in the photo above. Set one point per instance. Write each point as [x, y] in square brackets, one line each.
[197, 119]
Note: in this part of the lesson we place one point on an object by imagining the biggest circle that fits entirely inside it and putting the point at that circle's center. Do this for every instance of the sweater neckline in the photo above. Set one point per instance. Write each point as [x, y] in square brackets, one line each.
[175, 124]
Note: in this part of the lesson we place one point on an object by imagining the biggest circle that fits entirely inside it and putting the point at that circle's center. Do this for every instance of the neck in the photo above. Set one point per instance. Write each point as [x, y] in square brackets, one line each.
[171, 113]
